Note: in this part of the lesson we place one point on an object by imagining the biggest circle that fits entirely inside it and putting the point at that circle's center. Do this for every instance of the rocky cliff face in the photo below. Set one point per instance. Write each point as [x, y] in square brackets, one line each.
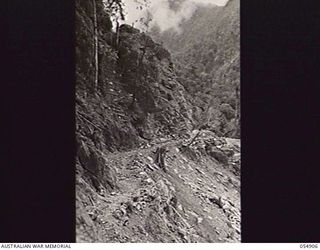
[137, 88]
[126, 190]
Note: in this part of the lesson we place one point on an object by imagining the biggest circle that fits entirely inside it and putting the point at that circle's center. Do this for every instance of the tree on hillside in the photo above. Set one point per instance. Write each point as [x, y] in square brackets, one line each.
[95, 45]
[115, 9]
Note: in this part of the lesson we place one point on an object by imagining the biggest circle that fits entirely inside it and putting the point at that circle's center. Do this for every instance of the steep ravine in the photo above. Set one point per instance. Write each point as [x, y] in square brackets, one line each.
[126, 190]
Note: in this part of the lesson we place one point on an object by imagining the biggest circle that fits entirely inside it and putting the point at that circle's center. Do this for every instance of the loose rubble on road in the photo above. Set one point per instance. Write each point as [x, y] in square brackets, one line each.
[196, 200]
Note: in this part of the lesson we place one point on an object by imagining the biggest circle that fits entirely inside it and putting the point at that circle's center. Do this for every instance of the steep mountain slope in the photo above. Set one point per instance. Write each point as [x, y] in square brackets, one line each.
[207, 58]
[142, 176]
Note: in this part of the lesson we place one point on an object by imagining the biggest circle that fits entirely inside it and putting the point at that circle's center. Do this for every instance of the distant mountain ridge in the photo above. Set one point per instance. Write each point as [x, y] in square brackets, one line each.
[206, 54]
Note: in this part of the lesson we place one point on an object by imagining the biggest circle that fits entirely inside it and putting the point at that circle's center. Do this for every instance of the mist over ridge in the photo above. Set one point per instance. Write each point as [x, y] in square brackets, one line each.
[166, 14]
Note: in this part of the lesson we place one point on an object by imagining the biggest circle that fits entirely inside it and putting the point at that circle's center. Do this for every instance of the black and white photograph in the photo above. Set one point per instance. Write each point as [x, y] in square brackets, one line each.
[164, 123]
[157, 121]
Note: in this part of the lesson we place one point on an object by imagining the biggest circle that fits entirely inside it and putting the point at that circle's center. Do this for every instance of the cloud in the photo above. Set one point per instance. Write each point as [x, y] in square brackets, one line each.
[163, 14]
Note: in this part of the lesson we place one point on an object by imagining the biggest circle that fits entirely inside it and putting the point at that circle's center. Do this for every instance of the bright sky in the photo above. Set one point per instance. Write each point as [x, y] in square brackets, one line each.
[162, 15]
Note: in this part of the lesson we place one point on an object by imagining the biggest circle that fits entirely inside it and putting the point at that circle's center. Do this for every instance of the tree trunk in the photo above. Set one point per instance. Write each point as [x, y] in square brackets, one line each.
[96, 59]
[117, 33]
